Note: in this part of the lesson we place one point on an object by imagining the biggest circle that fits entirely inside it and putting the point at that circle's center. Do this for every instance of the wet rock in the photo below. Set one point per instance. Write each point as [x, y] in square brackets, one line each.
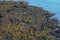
[0, 23]
[8, 11]
[7, 37]
[16, 6]
[14, 21]
[38, 38]
[1, 15]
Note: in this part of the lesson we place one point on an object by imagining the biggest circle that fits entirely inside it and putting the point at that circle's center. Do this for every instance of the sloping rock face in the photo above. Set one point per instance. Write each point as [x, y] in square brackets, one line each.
[20, 21]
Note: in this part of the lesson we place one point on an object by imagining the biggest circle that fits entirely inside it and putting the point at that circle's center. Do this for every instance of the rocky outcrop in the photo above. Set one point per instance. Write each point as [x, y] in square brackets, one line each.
[20, 21]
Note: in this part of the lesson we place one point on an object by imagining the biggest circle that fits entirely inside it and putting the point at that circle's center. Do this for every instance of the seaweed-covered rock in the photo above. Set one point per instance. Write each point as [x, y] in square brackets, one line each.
[20, 21]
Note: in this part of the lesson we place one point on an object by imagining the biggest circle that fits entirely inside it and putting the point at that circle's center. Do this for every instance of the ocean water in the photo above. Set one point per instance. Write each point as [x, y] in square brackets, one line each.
[50, 5]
